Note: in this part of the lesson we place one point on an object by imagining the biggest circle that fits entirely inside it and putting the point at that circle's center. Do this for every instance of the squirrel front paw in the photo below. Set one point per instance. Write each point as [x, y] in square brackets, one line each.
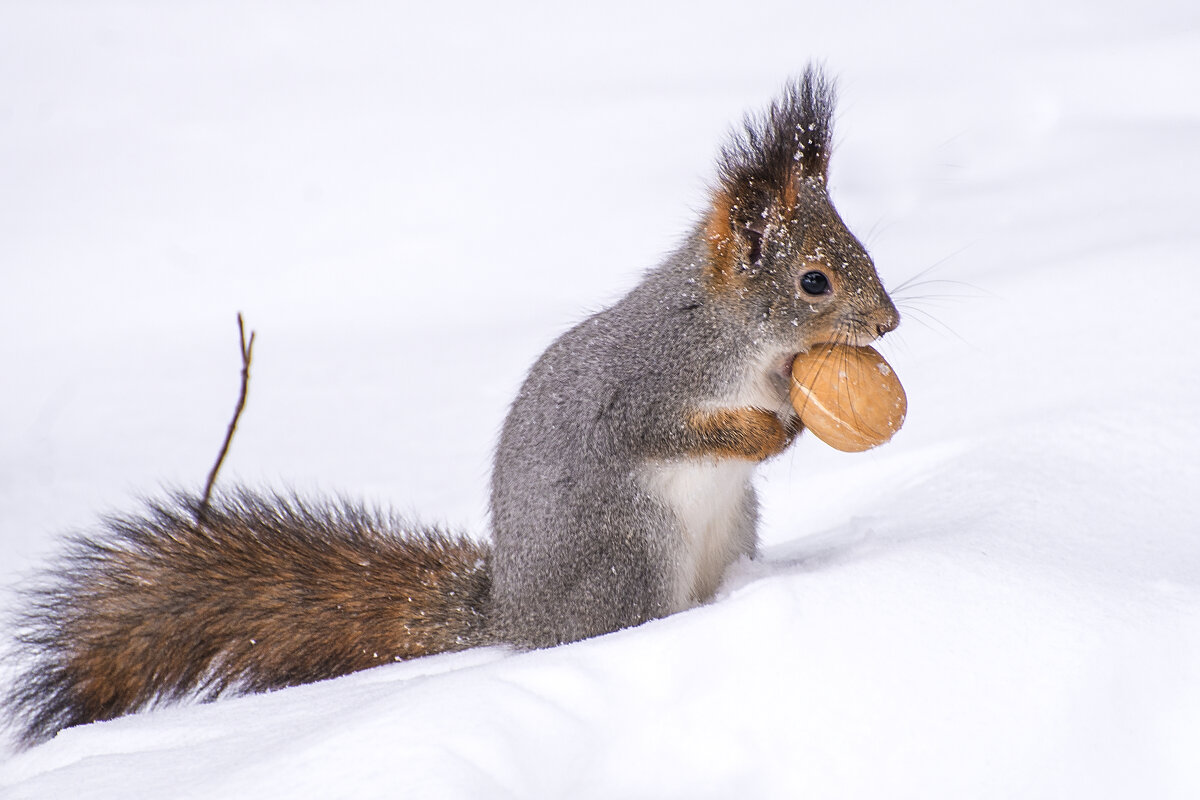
[750, 433]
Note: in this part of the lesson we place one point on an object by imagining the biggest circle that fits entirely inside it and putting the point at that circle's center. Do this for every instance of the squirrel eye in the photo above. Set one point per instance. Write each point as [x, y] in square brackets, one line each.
[814, 282]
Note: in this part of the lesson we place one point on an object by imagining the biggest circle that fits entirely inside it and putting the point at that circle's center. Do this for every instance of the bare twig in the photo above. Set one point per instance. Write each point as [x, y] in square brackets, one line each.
[247, 348]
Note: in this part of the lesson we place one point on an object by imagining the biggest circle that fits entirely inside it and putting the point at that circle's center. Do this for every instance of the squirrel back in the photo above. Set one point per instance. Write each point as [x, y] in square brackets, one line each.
[621, 485]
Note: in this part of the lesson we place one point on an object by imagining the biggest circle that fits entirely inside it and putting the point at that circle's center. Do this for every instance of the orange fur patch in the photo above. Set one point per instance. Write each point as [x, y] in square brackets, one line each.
[749, 433]
[722, 244]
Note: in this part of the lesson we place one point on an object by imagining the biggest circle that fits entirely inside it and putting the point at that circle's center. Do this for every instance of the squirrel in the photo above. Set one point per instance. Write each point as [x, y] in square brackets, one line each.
[621, 488]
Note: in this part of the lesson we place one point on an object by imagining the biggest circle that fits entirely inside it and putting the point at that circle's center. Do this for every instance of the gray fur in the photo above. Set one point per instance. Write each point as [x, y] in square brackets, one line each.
[621, 492]
[583, 543]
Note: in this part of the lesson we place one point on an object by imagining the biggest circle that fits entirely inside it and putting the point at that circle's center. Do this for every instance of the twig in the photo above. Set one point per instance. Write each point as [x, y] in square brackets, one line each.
[247, 348]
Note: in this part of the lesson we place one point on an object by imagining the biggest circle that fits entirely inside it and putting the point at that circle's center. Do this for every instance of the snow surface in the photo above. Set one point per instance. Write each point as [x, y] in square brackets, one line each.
[409, 202]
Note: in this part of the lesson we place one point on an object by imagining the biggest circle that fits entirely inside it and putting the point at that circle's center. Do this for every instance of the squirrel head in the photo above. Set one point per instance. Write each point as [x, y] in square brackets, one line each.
[778, 249]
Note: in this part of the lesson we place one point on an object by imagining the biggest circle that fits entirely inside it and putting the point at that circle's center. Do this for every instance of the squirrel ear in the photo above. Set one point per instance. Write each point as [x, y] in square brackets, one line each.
[762, 168]
[753, 236]
[735, 230]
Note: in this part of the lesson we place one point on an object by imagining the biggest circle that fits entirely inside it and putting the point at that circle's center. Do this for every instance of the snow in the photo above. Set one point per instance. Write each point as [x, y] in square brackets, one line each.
[408, 203]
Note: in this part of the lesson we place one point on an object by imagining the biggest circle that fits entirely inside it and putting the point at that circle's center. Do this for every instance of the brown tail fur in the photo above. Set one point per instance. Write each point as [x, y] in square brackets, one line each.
[266, 592]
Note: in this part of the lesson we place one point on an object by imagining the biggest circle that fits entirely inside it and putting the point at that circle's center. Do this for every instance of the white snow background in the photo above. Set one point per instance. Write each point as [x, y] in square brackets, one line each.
[408, 202]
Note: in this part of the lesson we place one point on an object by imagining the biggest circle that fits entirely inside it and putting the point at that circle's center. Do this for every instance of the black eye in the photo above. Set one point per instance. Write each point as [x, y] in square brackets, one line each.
[814, 282]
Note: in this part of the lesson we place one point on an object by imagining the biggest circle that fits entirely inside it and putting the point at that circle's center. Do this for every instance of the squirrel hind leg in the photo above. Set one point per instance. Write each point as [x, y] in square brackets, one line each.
[585, 574]
[264, 592]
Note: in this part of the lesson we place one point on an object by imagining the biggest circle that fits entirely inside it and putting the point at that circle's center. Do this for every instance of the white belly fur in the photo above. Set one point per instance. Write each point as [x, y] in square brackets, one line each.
[714, 504]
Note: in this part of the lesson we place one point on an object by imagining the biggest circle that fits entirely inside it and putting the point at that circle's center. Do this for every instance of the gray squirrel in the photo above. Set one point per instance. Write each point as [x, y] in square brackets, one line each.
[621, 488]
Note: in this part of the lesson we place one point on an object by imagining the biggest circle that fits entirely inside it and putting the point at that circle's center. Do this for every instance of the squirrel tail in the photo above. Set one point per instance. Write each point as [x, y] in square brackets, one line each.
[255, 592]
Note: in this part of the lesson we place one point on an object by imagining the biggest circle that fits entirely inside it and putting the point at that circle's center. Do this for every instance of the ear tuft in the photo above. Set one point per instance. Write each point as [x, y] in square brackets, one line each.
[788, 143]
[763, 165]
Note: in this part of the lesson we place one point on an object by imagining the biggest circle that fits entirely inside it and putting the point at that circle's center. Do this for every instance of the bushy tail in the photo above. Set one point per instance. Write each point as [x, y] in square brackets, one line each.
[266, 591]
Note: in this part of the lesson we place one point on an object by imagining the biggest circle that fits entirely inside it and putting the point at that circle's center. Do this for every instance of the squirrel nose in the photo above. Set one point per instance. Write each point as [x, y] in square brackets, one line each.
[887, 318]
